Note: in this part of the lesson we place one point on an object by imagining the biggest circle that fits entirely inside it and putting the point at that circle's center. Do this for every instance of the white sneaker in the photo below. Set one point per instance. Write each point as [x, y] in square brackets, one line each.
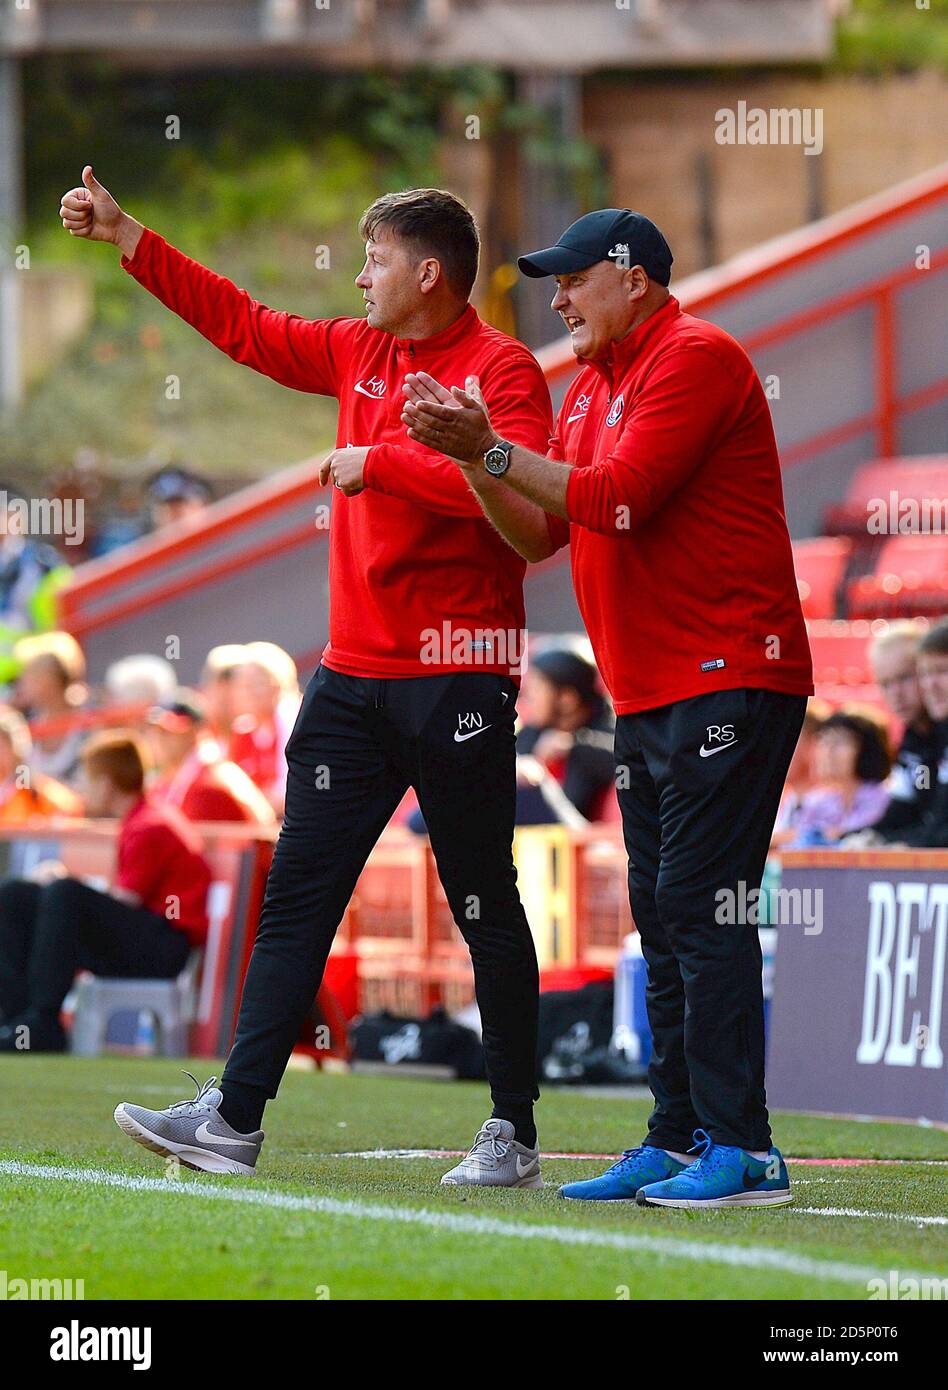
[496, 1160]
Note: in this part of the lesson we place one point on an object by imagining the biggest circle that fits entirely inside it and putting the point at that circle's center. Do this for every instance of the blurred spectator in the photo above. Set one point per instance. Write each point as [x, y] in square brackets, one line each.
[192, 772]
[572, 729]
[26, 794]
[893, 657]
[217, 687]
[50, 689]
[142, 928]
[565, 756]
[176, 494]
[540, 800]
[801, 774]
[140, 680]
[124, 522]
[929, 829]
[79, 485]
[851, 762]
[266, 700]
[932, 664]
[31, 575]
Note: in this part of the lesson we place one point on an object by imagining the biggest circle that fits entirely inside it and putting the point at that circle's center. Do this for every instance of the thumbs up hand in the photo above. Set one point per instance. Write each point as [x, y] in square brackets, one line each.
[91, 211]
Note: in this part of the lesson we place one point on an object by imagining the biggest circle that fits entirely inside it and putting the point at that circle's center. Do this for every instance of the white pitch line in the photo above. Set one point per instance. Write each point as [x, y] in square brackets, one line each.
[873, 1215]
[442, 1154]
[699, 1252]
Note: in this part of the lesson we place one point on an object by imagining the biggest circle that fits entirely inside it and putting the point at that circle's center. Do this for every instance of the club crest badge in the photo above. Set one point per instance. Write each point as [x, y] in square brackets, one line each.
[615, 411]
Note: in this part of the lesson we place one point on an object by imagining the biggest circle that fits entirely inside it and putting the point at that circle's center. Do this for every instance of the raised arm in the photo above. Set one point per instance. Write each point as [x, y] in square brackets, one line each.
[294, 351]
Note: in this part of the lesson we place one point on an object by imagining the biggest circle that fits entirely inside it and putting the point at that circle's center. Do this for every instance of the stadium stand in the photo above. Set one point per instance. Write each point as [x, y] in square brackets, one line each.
[914, 481]
[820, 566]
[839, 648]
[910, 579]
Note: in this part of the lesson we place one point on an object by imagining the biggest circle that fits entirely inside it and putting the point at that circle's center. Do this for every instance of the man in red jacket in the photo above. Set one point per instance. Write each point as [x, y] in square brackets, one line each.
[663, 476]
[417, 685]
[142, 927]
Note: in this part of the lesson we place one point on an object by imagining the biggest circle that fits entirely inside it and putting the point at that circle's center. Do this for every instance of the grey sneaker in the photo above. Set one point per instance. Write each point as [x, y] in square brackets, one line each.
[496, 1160]
[193, 1132]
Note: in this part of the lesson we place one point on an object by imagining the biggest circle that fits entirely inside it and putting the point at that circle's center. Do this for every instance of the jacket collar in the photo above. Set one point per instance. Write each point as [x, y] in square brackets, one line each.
[456, 332]
[618, 355]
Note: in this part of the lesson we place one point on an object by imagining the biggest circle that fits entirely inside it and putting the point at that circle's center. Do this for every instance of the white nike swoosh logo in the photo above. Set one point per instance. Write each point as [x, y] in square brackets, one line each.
[459, 737]
[371, 394]
[580, 415]
[710, 752]
[524, 1168]
[206, 1137]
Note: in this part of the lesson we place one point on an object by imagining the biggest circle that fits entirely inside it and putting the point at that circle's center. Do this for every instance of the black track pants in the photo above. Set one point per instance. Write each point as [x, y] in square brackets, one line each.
[358, 744]
[699, 784]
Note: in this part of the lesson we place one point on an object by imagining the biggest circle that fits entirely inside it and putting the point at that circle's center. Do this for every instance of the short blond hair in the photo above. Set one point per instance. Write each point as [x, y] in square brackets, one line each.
[893, 635]
[276, 661]
[222, 662]
[60, 647]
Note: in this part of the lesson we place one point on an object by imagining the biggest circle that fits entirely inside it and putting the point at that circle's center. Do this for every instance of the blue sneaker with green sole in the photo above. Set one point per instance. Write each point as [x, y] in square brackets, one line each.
[721, 1176]
[621, 1182]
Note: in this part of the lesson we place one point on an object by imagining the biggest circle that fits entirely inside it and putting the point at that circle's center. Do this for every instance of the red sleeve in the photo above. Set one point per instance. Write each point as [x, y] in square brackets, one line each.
[518, 400]
[420, 475]
[297, 352]
[142, 856]
[687, 400]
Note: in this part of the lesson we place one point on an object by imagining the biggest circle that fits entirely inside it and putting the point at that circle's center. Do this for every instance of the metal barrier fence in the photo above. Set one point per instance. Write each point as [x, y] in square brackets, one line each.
[410, 954]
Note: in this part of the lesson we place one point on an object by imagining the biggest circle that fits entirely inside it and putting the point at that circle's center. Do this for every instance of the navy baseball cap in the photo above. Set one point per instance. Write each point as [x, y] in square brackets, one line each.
[614, 234]
[179, 713]
[178, 485]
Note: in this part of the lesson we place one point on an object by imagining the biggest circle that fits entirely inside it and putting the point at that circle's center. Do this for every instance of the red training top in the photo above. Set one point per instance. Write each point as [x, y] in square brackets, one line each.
[680, 551]
[209, 787]
[159, 858]
[413, 552]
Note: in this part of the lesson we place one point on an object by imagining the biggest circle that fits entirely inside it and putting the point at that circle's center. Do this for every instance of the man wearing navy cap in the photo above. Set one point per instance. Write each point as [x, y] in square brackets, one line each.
[664, 478]
[175, 494]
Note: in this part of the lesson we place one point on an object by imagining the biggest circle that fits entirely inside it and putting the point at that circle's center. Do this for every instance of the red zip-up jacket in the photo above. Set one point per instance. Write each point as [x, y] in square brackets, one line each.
[680, 551]
[413, 552]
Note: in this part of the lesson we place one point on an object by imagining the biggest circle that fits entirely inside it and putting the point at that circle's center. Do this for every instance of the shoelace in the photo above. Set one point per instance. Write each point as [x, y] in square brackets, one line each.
[709, 1160]
[488, 1139]
[627, 1156]
[191, 1107]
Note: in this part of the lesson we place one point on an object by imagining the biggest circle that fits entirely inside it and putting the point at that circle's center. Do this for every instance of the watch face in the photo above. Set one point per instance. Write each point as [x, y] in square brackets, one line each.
[497, 461]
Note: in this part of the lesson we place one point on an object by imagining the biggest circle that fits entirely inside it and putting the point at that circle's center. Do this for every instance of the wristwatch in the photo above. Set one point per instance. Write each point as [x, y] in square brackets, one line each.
[497, 458]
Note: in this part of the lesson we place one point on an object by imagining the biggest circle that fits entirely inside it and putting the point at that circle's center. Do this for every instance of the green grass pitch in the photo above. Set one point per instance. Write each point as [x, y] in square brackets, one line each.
[78, 1200]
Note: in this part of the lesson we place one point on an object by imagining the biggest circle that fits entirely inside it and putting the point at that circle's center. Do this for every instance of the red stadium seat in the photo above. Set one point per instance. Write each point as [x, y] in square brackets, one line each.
[911, 578]
[912, 479]
[839, 651]
[820, 566]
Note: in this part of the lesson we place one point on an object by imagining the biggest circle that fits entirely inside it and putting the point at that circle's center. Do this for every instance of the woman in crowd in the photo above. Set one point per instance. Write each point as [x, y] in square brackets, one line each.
[49, 691]
[851, 763]
[27, 794]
